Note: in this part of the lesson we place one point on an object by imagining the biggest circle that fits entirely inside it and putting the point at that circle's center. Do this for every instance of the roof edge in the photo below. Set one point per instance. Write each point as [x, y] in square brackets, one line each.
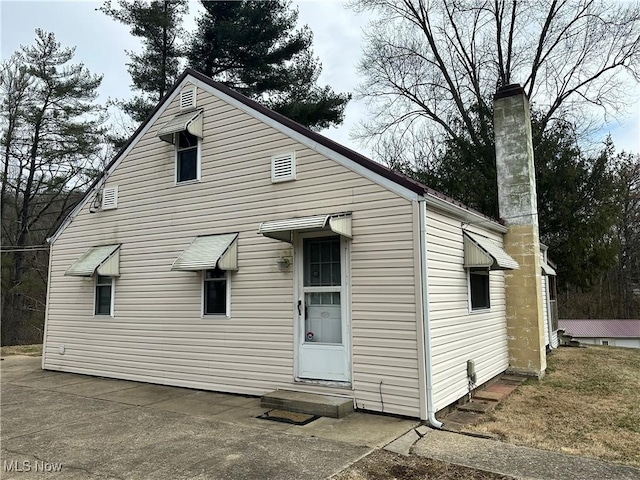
[456, 208]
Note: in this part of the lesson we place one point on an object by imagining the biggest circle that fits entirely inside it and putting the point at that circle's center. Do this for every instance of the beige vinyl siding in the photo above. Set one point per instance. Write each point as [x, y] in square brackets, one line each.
[158, 335]
[456, 334]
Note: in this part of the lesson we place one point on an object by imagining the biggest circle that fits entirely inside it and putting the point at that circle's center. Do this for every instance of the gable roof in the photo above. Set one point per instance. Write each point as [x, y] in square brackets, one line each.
[375, 167]
[601, 328]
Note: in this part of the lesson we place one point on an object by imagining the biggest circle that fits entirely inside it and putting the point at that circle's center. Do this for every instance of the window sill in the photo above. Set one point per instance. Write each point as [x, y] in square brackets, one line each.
[479, 310]
[187, 182]
[215, 315]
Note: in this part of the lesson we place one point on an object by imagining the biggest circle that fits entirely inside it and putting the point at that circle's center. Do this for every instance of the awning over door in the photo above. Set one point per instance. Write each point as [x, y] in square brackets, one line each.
[282, 230]
[209, 252]
[547, 269]
[190, 122]
[483, 252]
[105, 260]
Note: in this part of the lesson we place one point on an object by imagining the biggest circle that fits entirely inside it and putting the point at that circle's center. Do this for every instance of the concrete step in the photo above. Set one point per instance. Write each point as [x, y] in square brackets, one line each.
[488, 396]
[512, 379]
[478, 407]
[311, 403]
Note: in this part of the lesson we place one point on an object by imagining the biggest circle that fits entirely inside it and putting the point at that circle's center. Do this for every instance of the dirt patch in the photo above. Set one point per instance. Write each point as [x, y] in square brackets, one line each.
[587, 405]
[30, 350]
[383, 465]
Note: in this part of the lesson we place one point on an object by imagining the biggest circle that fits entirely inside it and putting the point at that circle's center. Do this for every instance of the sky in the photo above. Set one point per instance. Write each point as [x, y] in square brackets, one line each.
[101, 43]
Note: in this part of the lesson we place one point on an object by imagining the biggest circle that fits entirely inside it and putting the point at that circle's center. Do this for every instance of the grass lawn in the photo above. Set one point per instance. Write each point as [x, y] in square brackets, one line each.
[31, 350]
[587, 404]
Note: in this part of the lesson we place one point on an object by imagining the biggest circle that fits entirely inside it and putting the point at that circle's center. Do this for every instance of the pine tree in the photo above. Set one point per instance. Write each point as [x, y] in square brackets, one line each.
[253, 47]
[52, 134]
[159, 25]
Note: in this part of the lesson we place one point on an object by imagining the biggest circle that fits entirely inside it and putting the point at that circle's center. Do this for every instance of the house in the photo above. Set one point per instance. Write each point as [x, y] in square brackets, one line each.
[615, 333]
[549, 299]
[229, 248]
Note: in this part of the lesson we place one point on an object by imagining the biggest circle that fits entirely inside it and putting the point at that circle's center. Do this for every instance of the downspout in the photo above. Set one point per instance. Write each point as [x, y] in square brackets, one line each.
[424, 271]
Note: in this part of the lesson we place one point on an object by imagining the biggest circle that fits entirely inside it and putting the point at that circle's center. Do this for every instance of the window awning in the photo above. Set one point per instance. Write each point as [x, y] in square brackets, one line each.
[209, 252]
[282, 230]
[105, 260]
[483, 252]
[190, 122]
[547, 269]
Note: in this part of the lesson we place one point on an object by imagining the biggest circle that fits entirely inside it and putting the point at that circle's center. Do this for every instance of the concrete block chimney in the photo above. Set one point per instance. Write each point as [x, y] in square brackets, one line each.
[517, 203]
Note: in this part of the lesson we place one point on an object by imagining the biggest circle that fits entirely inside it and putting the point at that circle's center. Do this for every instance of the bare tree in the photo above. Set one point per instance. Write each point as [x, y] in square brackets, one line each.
[434, 65]
[629, 235]
[51, 136]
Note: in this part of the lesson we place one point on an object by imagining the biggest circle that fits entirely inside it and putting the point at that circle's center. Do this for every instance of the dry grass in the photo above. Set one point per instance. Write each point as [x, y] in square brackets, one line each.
[30, 350]
[587, 404]
[383, 465]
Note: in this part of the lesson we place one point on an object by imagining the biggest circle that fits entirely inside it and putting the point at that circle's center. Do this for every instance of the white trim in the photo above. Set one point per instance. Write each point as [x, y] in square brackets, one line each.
[89, 195]
[198, 164]
[462, 213]
[112, 312]
[227, 314]
[46, 312]
[303, 139]
[345, 303]
[475, 311]
[426, 339]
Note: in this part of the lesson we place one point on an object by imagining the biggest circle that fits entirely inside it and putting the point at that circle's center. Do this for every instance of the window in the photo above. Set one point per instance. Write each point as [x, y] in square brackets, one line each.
[187, 167]
[605, 342]
[552, 287]
[104, 295]
[216, 292]
[479, 288]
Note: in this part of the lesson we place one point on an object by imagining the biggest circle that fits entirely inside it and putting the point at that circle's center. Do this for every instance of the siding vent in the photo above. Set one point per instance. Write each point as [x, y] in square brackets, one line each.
[188, 98]
[283, 167]
[110, 198]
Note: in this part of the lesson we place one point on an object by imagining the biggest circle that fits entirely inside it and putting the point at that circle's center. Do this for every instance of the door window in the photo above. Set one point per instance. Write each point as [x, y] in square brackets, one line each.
[322, 288]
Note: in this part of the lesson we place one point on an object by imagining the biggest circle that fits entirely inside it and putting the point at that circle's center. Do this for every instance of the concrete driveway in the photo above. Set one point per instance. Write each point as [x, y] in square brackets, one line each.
[97, 428]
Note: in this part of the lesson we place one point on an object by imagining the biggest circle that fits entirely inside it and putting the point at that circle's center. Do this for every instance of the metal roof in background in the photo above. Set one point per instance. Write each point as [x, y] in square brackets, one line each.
[601, 328]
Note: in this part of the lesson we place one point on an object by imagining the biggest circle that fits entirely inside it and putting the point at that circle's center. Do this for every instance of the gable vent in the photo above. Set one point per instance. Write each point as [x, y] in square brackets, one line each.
[188, 98]
[283, 167]
[110, 198]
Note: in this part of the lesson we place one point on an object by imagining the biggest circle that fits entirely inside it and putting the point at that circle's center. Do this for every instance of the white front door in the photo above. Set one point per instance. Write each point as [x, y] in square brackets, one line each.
[323, 308]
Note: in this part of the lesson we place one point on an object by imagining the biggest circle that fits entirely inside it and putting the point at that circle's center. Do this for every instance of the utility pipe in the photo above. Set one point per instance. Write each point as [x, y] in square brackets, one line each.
[424, 272]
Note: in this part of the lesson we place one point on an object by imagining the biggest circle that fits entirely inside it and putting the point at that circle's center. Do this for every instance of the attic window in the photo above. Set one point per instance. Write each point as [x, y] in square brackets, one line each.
[283, 167]
[110, 198]
[188, 98]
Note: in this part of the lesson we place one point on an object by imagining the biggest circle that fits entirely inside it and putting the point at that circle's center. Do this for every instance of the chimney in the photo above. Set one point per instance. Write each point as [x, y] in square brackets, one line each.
[518, 208]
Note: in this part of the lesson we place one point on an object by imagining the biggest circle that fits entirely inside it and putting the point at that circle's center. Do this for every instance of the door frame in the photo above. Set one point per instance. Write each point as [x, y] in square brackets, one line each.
[345, 303]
